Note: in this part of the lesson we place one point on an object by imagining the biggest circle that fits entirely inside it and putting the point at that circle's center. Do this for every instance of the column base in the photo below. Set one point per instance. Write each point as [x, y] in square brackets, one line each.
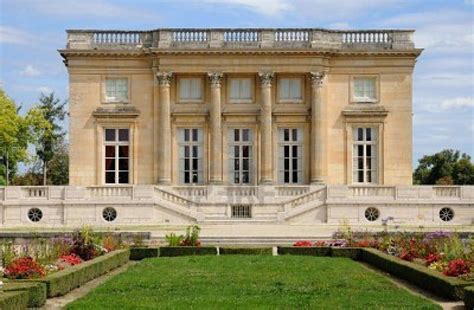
[317, 182]
[164, 182]
[216, 182]
[266, 182]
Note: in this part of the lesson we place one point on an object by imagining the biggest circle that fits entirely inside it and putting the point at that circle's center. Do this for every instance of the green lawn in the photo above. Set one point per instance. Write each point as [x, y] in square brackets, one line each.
[228, 282]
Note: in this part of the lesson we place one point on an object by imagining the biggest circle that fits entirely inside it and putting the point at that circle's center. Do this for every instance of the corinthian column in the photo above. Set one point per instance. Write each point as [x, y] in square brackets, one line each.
[164, 152]
[266, 173]
[216, 129]
[318, 121]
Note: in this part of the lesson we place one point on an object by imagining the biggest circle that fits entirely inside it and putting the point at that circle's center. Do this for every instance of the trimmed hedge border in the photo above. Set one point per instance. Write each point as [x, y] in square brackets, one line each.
[245, 251]
[14, 300]
[349, 252]
[36, 292]
[469, 297]
[66, 280]
[170, 251]
[310, 250]
[423, 277]
[142, 253]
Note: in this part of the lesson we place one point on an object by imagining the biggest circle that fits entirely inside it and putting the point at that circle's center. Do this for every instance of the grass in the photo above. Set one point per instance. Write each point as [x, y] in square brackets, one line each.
[228, 282]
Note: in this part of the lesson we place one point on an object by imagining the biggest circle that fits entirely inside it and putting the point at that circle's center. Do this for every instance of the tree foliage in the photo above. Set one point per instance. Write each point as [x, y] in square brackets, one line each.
[445, 168]
[17, 132]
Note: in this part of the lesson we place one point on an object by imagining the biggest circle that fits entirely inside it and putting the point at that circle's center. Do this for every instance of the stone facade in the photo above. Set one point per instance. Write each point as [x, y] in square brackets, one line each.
[326, 67]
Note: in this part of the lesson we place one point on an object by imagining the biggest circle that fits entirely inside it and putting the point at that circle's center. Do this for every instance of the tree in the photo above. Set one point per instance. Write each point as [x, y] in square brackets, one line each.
[59, 165]
[46, 144]
[16, 132]
[445, 168]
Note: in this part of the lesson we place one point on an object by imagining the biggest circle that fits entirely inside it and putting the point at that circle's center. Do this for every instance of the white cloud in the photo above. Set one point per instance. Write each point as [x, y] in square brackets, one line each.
[458, 102]
[264, 7]
[83, 8]
[30, 71]
[14, 36]
[44, 89]
[339, 26]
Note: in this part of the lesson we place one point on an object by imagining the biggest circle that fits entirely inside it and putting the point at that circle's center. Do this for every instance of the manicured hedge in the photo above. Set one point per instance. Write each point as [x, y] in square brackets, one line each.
[246, 251]
[168, 251]
[469, 297]
[419, 275]
[66, 280]
[36, 292]
[353, 253]
[314, 251]
[14, 300]
[141, 253]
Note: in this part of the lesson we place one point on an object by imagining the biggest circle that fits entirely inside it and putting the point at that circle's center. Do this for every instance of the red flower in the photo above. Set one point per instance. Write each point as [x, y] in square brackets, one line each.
[24, 268]
[303, 243]
[320, 243]
[406, 255]
[431, 258]
[71, 259]
[456, 268]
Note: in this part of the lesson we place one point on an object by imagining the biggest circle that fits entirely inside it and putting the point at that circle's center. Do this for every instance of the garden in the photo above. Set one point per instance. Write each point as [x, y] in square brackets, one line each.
[183, 273]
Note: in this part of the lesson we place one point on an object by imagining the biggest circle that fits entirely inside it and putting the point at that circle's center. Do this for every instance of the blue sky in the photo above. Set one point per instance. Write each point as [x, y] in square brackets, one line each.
[32, 30]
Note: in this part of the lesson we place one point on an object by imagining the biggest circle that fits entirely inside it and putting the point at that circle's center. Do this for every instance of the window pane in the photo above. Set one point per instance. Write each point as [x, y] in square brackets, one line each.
[123, 164]
[360, 150]
[234, 88]
[123, 177]
[245, 177]
[295, 134]
[196, 88]
[195, 177]
[286, 135]
[110, 177]
[369, 150]
[186, 151]
[236, 164]
[245, 134]
[195, 151]
[245, 151]
[284, 89]
[110, 135]
[286, 151]
[245, 164]
[186, 164]
[236, 177]
[195, 135]
[286, 165]
[360, 134]
[286, 178]
[245, 90]
[109, 151]
[123, 135]
[368, 134]
[186, 177]
[110, 164]
[195, 164]
[184, 88]
[294, 152]
[186, 135]
[361, 176]
[295, 177]
[295, 164]
[295, 90]
[236, 135]
[236, 151]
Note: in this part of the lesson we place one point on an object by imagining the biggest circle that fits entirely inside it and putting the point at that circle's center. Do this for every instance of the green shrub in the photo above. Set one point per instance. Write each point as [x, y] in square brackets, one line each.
[14, 300]
[64, 281]
[245, 251]
[352, 253]
[173, 239]
[469, 297]
[187, 250]
[36, 292]
[141, 253]
[421, 276]
[314, 251]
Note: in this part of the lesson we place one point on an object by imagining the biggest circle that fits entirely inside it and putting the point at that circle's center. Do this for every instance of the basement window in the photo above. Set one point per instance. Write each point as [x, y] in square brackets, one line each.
[241, 212]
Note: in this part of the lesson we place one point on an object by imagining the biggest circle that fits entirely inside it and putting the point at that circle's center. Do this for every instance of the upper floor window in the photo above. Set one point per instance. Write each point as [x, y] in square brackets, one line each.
[364, 89]
[364, 155]
[190, 89]
[240, 90]
[290, 89]
[116, 89]
[116, 145]
[190, 156]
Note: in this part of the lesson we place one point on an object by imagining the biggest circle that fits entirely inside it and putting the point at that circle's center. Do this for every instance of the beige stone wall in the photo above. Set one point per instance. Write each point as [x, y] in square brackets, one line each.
[87, 76]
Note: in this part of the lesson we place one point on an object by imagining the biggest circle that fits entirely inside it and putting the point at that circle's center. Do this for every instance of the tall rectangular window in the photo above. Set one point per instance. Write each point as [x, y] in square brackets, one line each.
[290, 156]
[240, 155]
[190, 153]
[290, 89]
[190, 89]
[364, 155]
[364, 89]
[116, 89]
[117, 158]
[240, 90]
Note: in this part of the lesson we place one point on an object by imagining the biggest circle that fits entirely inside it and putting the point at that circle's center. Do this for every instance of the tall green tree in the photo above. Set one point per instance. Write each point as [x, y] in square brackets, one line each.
[446, 167]
[16, 133]
[46, 145]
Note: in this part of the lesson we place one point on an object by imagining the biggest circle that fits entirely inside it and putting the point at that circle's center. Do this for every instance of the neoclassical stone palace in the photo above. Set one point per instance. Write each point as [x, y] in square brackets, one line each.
[288, 126]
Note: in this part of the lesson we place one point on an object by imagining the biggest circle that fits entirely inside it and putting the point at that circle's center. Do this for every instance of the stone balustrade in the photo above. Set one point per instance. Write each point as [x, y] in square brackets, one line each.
[289, 191]
[245, 38]
[379, 191]
[108, 192]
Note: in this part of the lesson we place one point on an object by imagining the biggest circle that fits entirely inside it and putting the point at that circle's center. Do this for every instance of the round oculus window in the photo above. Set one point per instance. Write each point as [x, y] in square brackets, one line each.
[35, 214]
[109, 214]
[371, 214]
[446, 214]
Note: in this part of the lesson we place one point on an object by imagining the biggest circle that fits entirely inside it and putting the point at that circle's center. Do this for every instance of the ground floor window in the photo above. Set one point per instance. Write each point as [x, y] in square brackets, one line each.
[290, 155]
[190, 153]
[364, 155]
[117, 157]
[240, 155]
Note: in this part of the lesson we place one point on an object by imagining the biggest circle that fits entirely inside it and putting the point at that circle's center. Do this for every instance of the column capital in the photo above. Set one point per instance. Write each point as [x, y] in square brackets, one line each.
[317, 78]
[215, 78]
[266, 78]
[164, 78]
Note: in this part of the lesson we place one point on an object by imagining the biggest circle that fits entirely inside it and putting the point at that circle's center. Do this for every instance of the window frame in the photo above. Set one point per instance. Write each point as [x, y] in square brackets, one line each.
[231, 144]
[190, 100]
[355, 99]
[116, 144]
[229, 89]
[106, 99]
[300, 143]
[182, 158]
[290, 100]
